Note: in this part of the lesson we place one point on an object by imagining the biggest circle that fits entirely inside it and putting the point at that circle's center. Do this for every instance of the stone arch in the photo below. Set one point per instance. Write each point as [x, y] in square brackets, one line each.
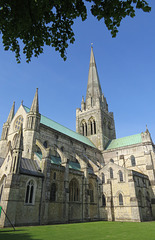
[91, 192]
[120, 196]
[74, 190]
[45, 143]
[2, 184]
[111, 172]
[83, 126]
[92, 125]
[103, 178]
[120, 175]
[104, 200]
[42, 148]
[30, 191]
[133, 161]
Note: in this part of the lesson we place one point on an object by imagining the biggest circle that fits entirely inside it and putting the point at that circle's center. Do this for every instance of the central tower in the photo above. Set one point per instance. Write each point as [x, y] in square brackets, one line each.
[93, 119]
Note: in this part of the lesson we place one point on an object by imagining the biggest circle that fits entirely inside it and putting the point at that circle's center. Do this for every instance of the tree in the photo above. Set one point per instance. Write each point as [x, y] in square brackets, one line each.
[35, 23]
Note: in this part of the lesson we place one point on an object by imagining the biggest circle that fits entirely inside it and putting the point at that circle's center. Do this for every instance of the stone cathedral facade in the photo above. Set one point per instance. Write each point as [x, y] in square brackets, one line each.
[51, 174]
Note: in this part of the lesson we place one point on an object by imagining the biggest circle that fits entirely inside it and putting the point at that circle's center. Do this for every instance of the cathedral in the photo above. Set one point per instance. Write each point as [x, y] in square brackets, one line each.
[50, 174]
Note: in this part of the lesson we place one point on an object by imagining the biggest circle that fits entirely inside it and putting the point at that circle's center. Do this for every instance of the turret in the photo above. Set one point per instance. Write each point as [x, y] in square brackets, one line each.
[33, 118]
[6, 125]
[32, 128]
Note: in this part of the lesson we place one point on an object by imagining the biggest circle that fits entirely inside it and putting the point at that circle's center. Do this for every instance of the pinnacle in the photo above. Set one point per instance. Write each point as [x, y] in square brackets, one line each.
[11, 114]
[35, 103]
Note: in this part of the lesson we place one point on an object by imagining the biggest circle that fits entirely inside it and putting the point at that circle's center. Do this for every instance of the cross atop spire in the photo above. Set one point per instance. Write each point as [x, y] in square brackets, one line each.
[93, 86]
[11, 114]
[35, 103]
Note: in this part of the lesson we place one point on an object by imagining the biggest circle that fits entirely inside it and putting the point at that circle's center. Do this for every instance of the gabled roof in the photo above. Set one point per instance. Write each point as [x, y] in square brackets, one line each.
[58, 127]
[125, 141]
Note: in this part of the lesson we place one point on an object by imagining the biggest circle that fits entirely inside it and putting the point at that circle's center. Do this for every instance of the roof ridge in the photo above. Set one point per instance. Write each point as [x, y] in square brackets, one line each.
[127, 136]
[65, 128]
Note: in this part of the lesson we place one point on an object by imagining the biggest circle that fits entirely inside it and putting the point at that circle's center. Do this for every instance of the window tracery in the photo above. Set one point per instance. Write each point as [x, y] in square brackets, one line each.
[29, 198]
[74, 191]
[18, 122]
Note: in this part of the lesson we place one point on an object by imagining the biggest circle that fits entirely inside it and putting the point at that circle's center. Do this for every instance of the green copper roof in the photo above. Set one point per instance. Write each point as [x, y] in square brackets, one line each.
[74, 165]
[58, 127]
[125, 141]
[57, 161]
[39, 155]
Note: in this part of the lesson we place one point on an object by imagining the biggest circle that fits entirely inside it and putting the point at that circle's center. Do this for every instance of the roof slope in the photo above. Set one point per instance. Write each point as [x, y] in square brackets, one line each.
[58, 127]
[125, 141]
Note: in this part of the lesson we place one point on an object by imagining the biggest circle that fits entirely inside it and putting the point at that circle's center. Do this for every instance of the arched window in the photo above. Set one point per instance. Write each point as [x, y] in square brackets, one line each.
[2, 186]
[53, 192]
[111, 173]
[54, 175]
[83, 129]
[74, 192]
[29, 198]
[91, 193]
[120, 176]
[45, 144]
[94, 127]
[120, 199]
[103, 178]
[86, 128]
[103, 200]
[133, 161]
[91, 127]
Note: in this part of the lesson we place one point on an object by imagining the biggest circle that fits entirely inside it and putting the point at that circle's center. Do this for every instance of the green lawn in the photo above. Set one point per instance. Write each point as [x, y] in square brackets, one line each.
[83, 231]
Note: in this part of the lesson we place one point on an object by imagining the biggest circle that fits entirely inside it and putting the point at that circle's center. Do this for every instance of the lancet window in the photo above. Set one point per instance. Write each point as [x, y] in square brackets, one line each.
[111, 173]
[120, 199]
[120, 176]
[53, 192]
[74, 191]
[103, 200]
[29, 198]
[84, 128]
[133, 162]
[92, 124]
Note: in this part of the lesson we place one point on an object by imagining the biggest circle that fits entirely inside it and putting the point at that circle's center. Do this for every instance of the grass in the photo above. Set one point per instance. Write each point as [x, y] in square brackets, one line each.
[83, 231]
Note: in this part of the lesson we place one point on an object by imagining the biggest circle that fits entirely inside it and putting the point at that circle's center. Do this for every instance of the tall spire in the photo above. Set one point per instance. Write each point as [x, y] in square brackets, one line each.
[11, 114]
[93, 86]
[35, 103]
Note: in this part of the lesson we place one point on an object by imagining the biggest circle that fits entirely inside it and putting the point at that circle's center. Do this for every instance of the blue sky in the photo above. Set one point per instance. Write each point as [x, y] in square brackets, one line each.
[126, 68]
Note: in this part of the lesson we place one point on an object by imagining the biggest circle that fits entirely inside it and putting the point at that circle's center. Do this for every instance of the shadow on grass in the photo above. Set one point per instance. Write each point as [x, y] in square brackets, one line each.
[18, 234]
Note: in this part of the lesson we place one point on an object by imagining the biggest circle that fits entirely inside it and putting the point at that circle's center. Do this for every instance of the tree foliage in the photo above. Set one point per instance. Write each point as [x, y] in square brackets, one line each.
[35, 23]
